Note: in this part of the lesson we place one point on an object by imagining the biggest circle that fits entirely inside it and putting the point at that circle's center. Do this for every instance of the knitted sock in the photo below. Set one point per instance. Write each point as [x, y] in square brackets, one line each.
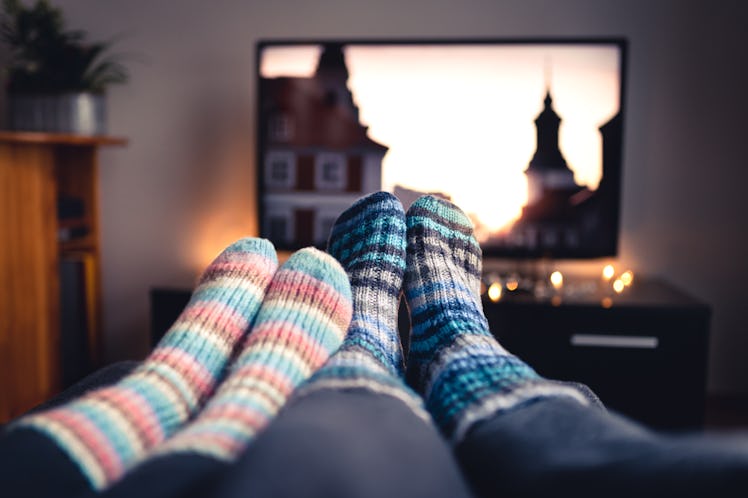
[302, 321]
[369, 241]
[454, 361]
[110, 429]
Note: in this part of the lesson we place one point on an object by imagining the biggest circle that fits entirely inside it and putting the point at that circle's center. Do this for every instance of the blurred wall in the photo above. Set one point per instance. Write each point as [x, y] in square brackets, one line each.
[184, 187]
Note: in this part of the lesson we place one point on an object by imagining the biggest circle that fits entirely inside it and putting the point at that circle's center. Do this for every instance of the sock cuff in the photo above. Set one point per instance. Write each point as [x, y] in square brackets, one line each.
[409, 399]
[246, 256]
[443, 211]
[370, 233]
[363, 205]
[94, 457]
[500, 402]
[352, 369]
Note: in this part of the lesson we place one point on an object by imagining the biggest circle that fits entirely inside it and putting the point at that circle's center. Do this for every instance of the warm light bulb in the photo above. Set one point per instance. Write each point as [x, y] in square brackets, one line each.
[512, 285]
[557, 279]
[627, 277]
[608, 272]
[618, 285]
[494, 291]
[606, 302]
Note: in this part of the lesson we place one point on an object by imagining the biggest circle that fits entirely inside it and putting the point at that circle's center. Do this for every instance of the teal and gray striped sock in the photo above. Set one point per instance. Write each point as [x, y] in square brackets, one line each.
[454, 361]
[369, 241]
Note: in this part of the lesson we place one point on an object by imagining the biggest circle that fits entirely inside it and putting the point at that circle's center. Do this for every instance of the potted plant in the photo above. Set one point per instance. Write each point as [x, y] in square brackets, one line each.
[56, 79]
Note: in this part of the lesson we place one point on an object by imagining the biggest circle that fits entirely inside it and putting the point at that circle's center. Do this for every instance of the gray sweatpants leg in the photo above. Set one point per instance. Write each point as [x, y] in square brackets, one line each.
[353, 444]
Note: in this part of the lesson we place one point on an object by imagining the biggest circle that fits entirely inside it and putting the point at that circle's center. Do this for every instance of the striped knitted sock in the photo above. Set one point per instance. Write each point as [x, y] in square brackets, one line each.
[369, 241]
[107, 431]
[302, 321]
[462, 371]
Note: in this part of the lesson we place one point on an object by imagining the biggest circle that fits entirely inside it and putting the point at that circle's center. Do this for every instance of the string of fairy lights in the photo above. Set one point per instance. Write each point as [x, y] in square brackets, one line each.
[554, 286]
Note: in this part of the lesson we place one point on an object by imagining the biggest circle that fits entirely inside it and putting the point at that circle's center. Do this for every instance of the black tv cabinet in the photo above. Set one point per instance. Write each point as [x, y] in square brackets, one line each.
[644, 352]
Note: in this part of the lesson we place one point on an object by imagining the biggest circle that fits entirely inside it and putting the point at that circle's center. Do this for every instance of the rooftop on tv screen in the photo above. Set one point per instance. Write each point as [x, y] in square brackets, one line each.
[524, 135]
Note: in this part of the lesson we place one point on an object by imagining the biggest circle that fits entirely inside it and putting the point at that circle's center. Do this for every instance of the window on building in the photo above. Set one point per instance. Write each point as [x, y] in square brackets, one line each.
[280, 170]
[550, 238]
[280, 128]
[572, 238]
[331, 172]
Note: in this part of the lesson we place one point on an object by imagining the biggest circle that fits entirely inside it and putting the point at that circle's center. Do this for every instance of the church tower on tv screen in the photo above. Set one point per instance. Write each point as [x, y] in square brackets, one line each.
[561, 217]
[548, 172]
[552, 220]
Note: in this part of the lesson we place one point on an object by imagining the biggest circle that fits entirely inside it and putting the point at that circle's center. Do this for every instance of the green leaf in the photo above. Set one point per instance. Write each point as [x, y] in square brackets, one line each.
[46, 57]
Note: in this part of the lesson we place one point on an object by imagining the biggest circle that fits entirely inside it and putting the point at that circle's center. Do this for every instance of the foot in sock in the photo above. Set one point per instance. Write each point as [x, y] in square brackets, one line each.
[302, 321]
[109, 430]
[454, 361]
[368, 239]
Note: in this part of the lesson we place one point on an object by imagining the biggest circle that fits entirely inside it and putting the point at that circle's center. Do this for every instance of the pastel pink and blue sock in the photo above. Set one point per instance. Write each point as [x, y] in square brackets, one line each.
[454, 361]
[302, 321]
[109, 430]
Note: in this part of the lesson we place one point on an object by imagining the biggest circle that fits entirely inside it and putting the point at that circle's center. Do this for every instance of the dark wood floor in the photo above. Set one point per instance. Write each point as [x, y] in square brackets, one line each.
[726, 413]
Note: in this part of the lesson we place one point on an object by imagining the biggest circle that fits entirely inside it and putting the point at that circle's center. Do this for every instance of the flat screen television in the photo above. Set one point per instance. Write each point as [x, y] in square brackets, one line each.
[524, 135]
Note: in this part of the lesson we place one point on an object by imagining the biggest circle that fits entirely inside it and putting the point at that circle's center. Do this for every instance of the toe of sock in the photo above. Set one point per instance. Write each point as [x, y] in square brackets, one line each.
[253, 245]
[320, 266]
[441, 210]
[381, 200]
[374, 224]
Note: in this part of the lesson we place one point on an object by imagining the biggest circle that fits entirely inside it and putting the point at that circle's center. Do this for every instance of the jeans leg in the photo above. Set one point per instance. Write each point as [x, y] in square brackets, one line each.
[558, 447]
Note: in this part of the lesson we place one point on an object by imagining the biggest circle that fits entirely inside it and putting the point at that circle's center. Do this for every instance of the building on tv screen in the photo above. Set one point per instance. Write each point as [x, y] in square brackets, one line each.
[525, 138]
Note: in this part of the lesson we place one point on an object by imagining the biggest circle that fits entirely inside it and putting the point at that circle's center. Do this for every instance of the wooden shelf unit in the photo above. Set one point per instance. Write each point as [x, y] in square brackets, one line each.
[36, 169]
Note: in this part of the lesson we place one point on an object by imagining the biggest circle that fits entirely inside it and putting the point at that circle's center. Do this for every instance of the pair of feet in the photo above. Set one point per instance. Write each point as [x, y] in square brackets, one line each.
[277, 326]
[454, 362]
[254, 330]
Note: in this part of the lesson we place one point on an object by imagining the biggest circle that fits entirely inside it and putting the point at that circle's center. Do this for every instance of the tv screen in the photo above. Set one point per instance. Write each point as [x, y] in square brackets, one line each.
[524, 135]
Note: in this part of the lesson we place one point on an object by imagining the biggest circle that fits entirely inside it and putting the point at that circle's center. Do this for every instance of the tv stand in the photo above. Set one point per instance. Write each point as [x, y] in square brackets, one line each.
[643, 351]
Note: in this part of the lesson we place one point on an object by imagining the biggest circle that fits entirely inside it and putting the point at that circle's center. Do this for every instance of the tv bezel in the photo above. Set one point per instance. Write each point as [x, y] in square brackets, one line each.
[488, 253]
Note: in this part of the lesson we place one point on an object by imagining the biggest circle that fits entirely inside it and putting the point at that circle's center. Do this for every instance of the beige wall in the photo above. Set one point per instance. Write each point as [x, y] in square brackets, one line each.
[183, 188]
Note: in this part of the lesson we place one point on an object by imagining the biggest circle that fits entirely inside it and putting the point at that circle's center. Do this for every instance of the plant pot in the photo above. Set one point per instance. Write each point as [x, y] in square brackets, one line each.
[82, 113]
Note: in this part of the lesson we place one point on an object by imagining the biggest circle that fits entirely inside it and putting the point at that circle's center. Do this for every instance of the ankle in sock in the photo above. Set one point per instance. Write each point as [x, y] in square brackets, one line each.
[302, 321]
[369, 241]
[108, 430]
[454, 361]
